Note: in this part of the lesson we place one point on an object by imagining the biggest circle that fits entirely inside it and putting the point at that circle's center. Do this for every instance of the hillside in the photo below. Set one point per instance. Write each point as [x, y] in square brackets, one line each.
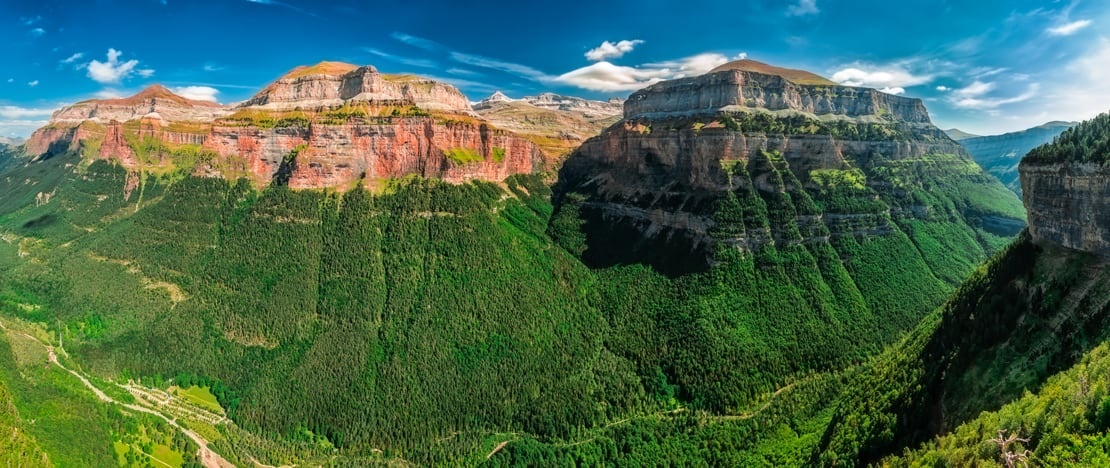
[1000, 154]
[705, 277]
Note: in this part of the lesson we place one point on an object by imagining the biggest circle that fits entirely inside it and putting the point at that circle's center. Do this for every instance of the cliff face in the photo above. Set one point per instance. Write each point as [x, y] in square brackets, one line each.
[331, 84]
[1065, 188]
[320, 155]
[694, 168]
[732, 89]
[329, 125]
[1068, 204]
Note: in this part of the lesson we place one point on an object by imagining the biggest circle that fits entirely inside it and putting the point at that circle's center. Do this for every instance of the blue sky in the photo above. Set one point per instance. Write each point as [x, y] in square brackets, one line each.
[985, 66]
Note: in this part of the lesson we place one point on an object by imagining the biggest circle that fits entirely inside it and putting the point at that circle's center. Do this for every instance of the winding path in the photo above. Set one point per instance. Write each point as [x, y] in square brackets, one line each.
[206, 455]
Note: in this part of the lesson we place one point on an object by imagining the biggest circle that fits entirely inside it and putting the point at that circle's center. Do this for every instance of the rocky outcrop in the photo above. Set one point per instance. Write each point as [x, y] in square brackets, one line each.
[732, 89]
[333, 84]
[322, 155]
[1068, 204]
[693, 168]
[329, 125]
[155, 101]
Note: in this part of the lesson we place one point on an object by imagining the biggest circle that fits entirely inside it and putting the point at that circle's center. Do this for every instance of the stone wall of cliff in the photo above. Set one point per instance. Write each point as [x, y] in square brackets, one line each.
[1068, 203]
[338, 155]
[742, 89]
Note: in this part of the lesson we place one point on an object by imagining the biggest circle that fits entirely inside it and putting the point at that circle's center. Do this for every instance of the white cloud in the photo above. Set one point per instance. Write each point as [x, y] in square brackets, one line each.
[16, 112]
[412, 62]
[1068, 29]
[29, 20]
[802, 8]
[608, 50]
[73, 58]
[974, 96]
[741, 56]
[145, 72]
[943, 89]
[976, 88]
[1084, 88]
[281, 4]
[894, 90]
[109, 93]
[210, 67]
[508, 67]
[460, 71]
[420, 42]
[112, 71]
[38, 32]
[197, 93]
[892, 76]
[10, 80]
[33, 83]
[607, 77]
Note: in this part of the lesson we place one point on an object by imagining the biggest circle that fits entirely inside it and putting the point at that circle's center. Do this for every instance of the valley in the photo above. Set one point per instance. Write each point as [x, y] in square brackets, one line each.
[733, 264]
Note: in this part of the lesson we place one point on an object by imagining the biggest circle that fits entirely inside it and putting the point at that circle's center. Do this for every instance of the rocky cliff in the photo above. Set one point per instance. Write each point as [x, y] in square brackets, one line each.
[741, 159]
[1066, 188]
[329, 125]
[738, 88]
[333, 84]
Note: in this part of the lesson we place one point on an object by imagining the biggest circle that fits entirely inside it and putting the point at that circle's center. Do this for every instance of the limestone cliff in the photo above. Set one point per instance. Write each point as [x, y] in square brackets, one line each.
[333, 83]
[1066, 188]
[742, 159]
[329, 125]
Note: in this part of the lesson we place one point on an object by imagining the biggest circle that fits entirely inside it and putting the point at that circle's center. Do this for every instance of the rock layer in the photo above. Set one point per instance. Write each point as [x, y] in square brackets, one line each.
[329, 125]
[739, 159]
[1068, 204]
[732, 89]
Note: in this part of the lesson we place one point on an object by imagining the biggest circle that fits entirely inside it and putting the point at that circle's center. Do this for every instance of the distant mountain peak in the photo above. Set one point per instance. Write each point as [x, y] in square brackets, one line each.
[797, 76]
[498, 96]
[957, 134]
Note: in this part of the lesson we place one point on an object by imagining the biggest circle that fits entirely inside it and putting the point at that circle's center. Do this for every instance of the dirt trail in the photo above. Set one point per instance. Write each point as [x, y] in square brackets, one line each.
[207, 457]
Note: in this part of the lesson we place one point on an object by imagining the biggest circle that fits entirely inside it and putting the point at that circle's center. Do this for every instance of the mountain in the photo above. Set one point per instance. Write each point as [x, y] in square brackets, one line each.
[1019, 351]
[326, 125]
[705, 283]
[11, 141]
[558, 124]
[1000, 154]
[959, 135]
[694, 158]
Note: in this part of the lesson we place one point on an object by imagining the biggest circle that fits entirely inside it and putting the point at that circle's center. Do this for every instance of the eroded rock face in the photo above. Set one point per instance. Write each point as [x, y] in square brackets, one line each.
[738, 89]
[332, 84]
[1068, 204]
[435, 136]
[739, 159]
[339, 155]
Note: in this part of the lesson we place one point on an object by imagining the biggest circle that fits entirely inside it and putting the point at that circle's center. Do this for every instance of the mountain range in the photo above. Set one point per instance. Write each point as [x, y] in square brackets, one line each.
[1000, 154]
[752, 266]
